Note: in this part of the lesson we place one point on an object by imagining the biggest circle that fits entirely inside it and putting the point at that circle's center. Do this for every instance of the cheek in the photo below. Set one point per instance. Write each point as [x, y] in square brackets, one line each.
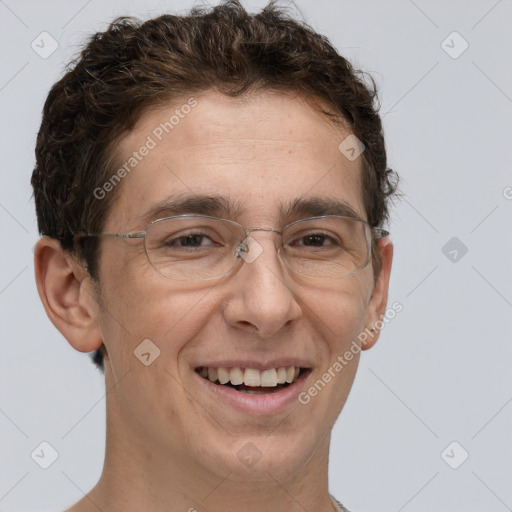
[141, 304]
[340, 311]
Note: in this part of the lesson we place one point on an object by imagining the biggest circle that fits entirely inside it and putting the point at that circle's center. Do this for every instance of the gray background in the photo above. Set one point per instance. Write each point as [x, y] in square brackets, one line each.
[441, 370]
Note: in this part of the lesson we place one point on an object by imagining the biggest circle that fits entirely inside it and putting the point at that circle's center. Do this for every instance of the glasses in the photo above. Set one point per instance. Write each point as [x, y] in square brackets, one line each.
[193, 247]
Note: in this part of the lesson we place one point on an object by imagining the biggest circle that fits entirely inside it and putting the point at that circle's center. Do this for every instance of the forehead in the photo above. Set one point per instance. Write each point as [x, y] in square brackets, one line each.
[262, 157]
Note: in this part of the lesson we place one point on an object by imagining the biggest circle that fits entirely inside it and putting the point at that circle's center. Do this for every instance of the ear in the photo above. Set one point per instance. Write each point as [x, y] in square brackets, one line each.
[68, 295]
[377, 306]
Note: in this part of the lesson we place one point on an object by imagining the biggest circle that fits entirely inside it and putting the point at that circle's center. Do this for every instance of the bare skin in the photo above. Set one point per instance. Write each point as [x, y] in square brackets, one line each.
[170, 445]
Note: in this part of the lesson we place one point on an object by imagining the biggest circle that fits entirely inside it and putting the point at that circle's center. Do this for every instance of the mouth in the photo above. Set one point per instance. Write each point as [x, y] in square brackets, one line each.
[252, 381]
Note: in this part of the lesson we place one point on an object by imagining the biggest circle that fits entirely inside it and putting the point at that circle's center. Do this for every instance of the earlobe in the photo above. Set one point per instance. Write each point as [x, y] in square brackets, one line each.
[378, 302]
[68, 295]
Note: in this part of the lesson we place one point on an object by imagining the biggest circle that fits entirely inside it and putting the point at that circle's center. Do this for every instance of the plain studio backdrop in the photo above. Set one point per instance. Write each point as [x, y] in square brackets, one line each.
[427, 425]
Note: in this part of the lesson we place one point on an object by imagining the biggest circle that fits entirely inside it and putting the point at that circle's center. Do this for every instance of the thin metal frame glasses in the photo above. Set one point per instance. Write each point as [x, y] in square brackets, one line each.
[347, 252]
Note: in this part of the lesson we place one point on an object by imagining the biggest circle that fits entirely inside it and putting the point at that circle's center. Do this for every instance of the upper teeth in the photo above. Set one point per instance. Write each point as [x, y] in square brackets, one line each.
[251, 376]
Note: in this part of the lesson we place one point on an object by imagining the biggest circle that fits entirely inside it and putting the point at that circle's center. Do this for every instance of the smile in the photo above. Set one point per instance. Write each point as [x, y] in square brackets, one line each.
[251, 380]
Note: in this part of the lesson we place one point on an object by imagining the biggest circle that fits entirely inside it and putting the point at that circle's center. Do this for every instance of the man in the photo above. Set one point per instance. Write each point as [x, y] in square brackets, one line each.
[211, 190]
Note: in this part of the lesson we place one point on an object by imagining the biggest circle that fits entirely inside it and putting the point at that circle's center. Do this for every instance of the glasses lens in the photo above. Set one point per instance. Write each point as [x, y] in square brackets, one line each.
[197, 248]
[330, 247]
[193, 247]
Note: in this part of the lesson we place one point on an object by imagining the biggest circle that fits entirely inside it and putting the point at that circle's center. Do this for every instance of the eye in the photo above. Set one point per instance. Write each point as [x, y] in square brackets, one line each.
[190, 240]
[315, 240]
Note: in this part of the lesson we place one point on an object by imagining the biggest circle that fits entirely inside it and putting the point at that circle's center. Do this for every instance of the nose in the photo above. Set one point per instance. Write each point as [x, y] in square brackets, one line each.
[263, 299]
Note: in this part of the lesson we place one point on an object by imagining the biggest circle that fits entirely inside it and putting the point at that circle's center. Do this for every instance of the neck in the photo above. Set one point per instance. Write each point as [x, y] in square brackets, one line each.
[138, 476]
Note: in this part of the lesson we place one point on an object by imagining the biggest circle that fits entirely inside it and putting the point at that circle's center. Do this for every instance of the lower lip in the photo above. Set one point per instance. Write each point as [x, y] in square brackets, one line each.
[269, 403]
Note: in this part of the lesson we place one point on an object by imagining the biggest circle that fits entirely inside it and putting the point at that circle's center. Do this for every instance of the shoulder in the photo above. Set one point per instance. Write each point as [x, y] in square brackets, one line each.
[341, 508]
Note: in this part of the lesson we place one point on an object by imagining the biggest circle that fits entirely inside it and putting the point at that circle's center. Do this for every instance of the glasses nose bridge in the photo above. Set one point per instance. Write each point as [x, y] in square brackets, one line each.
[277, 245]
[248, 231]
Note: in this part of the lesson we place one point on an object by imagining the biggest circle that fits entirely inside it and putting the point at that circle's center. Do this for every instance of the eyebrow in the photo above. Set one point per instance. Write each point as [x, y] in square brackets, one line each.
[220, 206]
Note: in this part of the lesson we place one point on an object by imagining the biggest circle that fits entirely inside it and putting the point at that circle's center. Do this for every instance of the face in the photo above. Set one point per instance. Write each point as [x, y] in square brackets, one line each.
[259, 153]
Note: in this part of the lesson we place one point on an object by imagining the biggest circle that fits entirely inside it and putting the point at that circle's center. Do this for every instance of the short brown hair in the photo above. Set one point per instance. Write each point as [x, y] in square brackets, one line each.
[136, 64]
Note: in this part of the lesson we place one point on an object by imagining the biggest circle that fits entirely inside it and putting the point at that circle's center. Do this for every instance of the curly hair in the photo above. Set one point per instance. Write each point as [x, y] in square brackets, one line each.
[134, 65]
